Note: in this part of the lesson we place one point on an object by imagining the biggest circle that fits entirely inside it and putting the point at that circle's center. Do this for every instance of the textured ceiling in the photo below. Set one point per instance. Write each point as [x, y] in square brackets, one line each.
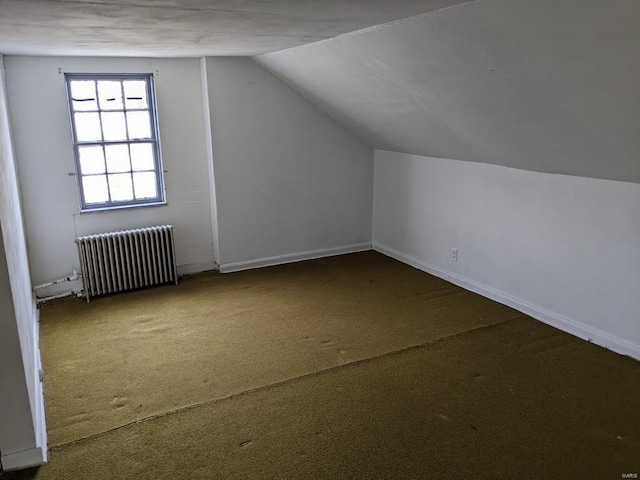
[188, 28]
[545, 85]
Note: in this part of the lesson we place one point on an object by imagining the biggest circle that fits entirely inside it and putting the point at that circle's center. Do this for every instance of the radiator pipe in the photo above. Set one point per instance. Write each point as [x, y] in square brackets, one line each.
[70, 278]
[40, 300]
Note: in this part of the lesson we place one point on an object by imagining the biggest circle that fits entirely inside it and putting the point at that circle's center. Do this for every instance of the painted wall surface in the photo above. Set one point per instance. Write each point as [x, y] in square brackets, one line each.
[21, 401]
[539, 85]
[564, 249]
[289, 180]
[43, 145]
[16, 421]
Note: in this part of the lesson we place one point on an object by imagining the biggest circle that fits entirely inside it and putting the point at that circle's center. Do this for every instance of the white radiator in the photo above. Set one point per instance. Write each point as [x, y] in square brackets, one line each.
[117, 261]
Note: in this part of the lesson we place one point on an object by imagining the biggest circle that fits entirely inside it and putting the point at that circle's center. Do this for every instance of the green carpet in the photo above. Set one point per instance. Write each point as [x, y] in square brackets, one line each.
[350, 367]
[123, 358]
[515, 400]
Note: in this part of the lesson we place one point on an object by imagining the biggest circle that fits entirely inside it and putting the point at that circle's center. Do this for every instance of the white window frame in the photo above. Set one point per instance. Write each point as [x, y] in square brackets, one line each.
[160, 199]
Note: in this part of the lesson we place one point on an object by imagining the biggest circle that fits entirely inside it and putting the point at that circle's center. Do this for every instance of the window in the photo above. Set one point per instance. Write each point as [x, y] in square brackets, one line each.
[115, 138]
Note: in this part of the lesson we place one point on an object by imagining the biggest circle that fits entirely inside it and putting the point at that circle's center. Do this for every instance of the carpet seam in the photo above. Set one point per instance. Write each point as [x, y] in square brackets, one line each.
[283, 382]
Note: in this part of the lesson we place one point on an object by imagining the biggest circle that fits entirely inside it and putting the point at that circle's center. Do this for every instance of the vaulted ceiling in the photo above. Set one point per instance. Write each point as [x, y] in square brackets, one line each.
[188, 28]
[545, 85]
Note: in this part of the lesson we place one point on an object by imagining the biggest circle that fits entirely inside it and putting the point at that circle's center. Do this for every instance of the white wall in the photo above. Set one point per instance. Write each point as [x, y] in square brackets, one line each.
[22, 430]
[17, 433]
[43, 145]
[563, 249]
[290, 182]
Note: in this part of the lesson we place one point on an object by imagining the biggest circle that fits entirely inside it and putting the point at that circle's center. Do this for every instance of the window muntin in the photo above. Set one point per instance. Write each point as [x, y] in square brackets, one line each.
[115, 138]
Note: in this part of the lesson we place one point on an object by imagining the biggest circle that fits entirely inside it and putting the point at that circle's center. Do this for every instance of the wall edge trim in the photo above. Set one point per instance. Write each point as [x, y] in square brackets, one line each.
[40, 414]
[294, 257]
[567, 325]
[31, 457]
[190, 268]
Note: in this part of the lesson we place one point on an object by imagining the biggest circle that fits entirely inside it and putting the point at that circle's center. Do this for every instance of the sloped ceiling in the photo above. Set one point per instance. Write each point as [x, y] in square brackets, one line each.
[545, 85]
[187, 28]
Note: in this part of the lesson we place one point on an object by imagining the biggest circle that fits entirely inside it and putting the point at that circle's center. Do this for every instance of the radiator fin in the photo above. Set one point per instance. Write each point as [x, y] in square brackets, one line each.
[125, 260]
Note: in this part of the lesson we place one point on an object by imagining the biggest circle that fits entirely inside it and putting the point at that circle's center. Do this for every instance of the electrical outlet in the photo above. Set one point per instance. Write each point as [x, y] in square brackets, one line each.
[454, 254]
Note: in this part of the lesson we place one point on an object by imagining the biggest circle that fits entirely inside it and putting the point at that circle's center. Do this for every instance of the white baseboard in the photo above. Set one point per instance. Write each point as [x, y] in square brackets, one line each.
[39, 417]
[294, 257]
[36, 455]
[31, 457]
[560, 322]
[190, 268]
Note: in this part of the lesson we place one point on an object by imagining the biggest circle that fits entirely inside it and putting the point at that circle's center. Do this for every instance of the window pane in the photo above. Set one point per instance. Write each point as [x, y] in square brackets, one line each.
[83, 95]
[145, 185]
[139, 125]
[95, 189]
[113, 126]
[88, 127]
[135, 92]
[110, 95]
[91, 160]
[142, 156]
[115, 138]
[117, 158]
[120, 187]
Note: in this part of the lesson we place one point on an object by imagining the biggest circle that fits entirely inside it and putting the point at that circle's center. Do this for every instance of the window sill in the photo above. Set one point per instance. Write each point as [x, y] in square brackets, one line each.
[122, 207]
